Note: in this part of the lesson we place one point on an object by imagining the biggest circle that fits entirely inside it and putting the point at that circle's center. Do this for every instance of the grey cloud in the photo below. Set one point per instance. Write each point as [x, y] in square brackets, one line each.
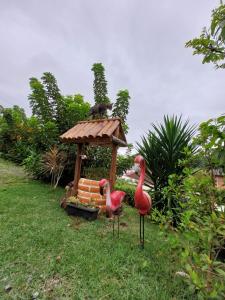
[141, 44]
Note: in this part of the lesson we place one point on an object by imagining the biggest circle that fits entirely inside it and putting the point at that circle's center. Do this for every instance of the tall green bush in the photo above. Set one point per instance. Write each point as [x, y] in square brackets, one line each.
[200, 236]
[128, 188]
[163, 147]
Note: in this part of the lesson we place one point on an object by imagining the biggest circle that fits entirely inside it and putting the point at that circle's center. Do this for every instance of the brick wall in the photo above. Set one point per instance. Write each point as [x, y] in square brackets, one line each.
[89, 192]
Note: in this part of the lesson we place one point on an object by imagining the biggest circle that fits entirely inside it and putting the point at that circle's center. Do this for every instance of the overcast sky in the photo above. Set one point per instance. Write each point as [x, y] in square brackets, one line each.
[140, 43]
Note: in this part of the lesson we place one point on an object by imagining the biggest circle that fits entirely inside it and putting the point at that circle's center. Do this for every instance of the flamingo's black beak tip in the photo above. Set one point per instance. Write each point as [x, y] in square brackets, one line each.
[101, 190]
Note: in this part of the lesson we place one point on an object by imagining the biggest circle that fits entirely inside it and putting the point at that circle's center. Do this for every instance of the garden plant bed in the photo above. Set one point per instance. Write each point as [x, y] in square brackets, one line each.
[78, 210]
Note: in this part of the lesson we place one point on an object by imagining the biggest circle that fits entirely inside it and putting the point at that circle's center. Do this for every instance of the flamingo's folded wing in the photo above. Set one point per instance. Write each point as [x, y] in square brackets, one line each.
[117, 198]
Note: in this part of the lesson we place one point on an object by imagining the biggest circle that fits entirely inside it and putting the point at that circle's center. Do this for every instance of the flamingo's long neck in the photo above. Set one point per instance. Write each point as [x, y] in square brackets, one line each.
[108, 197]
[141, 178]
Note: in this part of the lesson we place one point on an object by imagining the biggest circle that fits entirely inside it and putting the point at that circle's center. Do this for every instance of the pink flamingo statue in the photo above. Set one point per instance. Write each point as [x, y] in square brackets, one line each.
[113, 201]
[143, 201]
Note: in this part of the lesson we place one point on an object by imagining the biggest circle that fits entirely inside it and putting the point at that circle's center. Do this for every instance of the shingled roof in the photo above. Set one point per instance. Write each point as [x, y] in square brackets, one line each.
[102, 131]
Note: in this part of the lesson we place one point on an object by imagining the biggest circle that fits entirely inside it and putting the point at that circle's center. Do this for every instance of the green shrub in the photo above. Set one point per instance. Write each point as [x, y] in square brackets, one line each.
[220, 195]
[198, 240]
[200, 234]
[128, 188]
[124, 163]
[18, 152]
[162, 148]
[32, 164]
[164, 220]
[95, 173]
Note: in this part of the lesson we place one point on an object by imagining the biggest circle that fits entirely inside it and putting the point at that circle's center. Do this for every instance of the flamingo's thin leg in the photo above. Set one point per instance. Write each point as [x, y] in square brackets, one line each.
[118, 217]
[113, 223]
[140, 232]
[143, 233]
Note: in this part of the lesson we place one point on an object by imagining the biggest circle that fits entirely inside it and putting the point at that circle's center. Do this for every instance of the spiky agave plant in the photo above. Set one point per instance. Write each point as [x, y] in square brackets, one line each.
[162, 149]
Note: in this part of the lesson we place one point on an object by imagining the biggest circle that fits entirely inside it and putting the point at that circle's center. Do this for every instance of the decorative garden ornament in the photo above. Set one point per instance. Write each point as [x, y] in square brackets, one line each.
[113, 201]
[143, 201]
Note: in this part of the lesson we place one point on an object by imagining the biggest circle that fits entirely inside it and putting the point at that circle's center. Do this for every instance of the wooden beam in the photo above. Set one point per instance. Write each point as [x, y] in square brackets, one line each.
[77, 169]
[112, 175]
[95, 141]
[99, 120]
[118, 141]
[92, 141]
[101, 141]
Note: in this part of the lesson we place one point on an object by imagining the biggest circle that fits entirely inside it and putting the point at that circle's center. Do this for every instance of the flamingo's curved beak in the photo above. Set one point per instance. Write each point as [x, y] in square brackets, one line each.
[101, 190]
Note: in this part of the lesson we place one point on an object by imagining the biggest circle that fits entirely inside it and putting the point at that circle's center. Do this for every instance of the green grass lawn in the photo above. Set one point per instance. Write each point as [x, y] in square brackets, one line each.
[43, 250]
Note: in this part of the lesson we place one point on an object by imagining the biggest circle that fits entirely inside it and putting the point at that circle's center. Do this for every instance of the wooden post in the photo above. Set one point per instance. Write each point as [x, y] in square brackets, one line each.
[77, 169]
[112, 176]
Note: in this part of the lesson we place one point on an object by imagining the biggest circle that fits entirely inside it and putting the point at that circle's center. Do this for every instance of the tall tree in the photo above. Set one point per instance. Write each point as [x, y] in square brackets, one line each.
[39, 102]
[54, 96]
[211, 43]
[76, 109]
[101, 157]
[121, 108]
[100, 84]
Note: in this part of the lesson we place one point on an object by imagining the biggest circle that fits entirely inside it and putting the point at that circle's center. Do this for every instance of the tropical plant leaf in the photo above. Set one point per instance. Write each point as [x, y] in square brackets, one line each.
[162, 148]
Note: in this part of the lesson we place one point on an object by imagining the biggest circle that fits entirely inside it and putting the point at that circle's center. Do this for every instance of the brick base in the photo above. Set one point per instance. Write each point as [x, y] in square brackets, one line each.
[89, 192]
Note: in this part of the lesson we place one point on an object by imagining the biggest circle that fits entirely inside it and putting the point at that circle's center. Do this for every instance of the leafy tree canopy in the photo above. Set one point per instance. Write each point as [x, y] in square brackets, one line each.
[121, 107]
[54, 97]
[211, 143]
[75, 109]
[49, 105]
[211, 42]
[39, 102]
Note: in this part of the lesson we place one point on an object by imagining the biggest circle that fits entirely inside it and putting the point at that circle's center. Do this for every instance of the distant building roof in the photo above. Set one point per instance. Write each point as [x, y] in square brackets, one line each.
[133, 176]
[218, 172]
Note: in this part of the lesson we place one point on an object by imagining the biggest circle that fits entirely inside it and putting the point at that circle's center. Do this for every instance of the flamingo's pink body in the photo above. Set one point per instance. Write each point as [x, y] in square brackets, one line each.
[143, 201]
[116, 200]
[113, 199]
